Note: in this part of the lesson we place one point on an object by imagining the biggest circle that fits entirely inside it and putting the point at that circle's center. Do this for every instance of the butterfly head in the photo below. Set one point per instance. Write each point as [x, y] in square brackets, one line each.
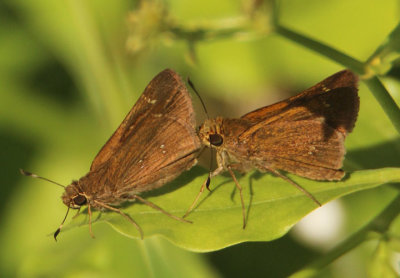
[73, 197]
[211, 133]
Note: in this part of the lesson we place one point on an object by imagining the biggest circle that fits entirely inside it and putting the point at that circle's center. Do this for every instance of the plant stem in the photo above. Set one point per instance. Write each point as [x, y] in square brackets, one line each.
[373, 230]
[321, 48]
[385, 100]
[374, 84]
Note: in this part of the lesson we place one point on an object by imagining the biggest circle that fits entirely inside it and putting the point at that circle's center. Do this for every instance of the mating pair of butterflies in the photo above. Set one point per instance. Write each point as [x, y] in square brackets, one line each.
[158, 140]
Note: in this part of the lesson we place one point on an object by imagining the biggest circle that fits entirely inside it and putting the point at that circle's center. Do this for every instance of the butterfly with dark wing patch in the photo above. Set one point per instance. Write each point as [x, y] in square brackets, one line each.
[303, 135]
[154, 144]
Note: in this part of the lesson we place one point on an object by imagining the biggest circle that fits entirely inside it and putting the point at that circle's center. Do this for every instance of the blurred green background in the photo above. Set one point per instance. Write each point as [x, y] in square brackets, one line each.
[71, 70]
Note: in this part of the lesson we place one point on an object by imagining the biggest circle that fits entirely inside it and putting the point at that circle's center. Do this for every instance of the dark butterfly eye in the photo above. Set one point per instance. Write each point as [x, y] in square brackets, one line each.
[79, 200]
[216, 139]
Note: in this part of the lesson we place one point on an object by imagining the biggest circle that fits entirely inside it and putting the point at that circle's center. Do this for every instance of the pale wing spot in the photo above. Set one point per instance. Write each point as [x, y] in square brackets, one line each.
[325, 89]
[150, 101]
[312, 148]
[162, 146]
[157, 115]
[163, 152]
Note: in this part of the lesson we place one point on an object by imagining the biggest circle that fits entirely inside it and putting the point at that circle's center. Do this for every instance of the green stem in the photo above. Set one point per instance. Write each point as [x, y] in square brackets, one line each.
[349, 244]
[385, 100]
[374, 84]
[373, 230]
[241, 25]
[236, 27]
[205, 34]
[321, 48]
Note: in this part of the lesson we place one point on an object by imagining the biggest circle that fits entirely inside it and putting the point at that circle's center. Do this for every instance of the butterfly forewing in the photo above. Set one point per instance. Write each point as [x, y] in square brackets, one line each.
[303, 134]
[156, 141]
[168, 148]
[335, 99]
[163, 86]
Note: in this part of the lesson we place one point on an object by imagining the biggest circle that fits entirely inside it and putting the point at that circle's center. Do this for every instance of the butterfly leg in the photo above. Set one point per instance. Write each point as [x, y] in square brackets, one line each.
[224, 159]
[154, 206]
[90, 221]
[123, 214]
[205, 184]
[77, 213]
[238, 167]
[240, 193]
[302, 189]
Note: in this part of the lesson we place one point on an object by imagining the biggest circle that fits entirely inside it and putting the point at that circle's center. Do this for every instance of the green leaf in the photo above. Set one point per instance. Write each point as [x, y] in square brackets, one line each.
[275, 206]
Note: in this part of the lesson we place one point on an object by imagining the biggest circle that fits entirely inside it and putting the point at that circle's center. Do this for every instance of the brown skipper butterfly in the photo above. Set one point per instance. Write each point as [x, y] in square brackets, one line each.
[154, 144]
[303, 135]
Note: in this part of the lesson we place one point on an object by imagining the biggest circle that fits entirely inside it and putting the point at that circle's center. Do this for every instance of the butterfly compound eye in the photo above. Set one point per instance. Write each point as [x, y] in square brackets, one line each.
[79, 200]
[216, 139]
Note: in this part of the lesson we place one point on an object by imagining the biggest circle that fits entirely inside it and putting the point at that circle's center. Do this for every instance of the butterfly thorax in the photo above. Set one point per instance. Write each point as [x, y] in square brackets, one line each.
[224, 136]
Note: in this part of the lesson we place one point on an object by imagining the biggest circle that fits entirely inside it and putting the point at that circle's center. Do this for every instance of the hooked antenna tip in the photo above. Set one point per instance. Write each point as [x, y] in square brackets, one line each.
[25, 173]
[208, 183]
[56, 233]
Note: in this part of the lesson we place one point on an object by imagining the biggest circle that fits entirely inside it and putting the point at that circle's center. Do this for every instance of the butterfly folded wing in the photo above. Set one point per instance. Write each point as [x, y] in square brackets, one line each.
[169, 149]
[164, 85]
[305, 134]
[300, 148]
[337, 109]
[334, 98]
[156, 141]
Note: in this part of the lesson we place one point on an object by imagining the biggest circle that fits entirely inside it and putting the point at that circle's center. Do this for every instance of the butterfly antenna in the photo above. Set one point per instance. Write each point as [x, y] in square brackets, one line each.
[208, 117]
[198, 95]
[29, 174]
